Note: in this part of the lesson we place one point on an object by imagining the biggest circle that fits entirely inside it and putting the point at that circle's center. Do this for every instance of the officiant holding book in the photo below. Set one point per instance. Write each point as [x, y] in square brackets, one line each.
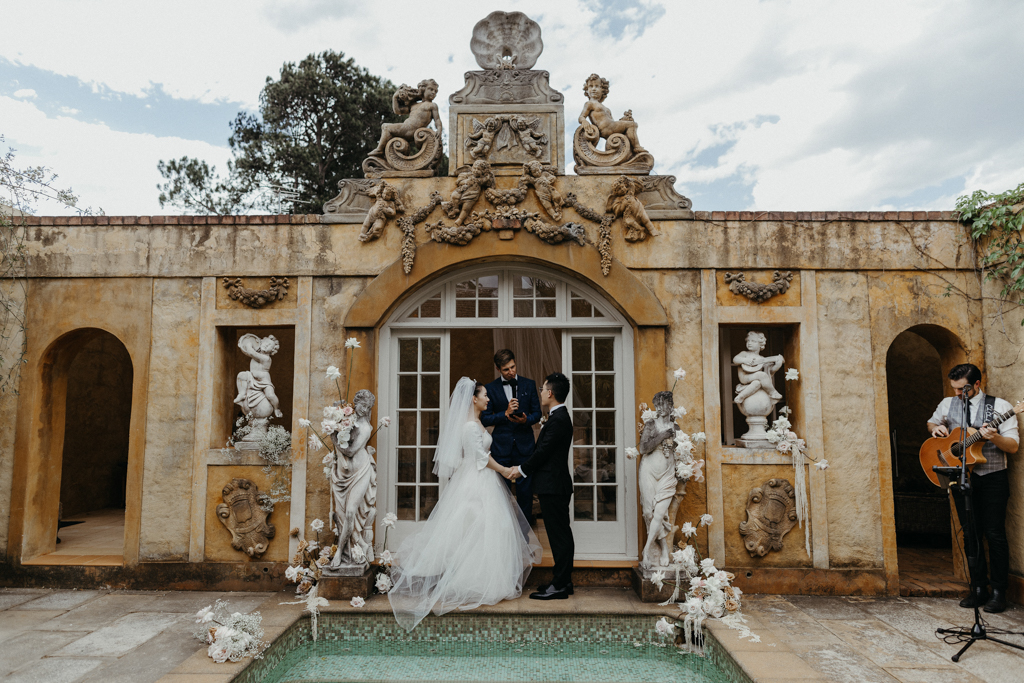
[513, 409]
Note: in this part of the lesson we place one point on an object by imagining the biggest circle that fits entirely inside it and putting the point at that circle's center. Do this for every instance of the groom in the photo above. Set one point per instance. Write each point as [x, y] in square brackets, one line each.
[548, 467]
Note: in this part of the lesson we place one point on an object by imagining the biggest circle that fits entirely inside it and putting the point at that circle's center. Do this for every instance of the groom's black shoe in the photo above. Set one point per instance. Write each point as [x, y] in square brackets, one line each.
[552, 593]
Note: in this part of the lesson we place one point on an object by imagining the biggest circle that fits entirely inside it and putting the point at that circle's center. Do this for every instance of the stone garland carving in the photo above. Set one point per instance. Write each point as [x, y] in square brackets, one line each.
[390, 159]
[755, 394]
[759, 292]
[506, 130]
[506, 40]
[354, 492]
[604, 229]
[242, 513]
[256, 298]
[661, 491]
[387, 203]
[623, 202]
[256, 395]
[771, 513]
[622, 153]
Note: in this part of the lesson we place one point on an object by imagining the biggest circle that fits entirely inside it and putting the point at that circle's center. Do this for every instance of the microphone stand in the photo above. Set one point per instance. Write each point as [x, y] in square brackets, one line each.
[972, 547]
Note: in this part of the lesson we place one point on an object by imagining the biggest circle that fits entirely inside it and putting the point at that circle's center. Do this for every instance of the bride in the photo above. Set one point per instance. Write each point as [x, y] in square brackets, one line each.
[476, 547]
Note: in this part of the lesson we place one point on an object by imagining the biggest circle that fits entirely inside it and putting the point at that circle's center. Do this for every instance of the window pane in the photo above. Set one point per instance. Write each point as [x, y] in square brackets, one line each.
[545, 308]
[523, 309]
[605, 470]
[488, 286]
[488, 308]
[583, 503]
[582, 465]
[604, 354]
[407, 465]
[582, 391]
[428, 499]
[431, 308]
[465, 290]
[579, 308]
[407, 352]
[581, 422]
[406, 428]
[407, 391]
[522, 286]
[427, 466]
[431, 354]
[580, 353]
[430, 391]
[544, 288]
[604, 391]
[407, 502]
[465, 308]
[430, 421]
[606, 503]
[606, 427]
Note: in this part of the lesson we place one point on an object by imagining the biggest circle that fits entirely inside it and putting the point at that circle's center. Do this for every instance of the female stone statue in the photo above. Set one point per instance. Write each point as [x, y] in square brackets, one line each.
[658, 482]
[354, 489]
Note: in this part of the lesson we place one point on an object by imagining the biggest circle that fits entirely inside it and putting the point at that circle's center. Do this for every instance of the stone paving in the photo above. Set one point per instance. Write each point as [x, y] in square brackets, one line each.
[93, 636]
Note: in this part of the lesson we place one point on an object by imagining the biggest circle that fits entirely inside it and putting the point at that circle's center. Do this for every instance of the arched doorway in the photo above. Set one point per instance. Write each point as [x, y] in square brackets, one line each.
[451, 328]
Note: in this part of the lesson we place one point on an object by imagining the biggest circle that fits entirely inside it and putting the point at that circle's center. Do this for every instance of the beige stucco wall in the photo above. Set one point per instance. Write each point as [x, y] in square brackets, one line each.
[9, 415]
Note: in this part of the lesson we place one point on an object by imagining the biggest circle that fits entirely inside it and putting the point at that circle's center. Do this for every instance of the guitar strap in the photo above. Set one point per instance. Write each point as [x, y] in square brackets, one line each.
[990, 408]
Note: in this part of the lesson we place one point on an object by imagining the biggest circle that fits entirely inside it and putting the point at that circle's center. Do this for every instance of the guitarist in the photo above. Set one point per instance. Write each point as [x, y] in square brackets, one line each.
[989, 480]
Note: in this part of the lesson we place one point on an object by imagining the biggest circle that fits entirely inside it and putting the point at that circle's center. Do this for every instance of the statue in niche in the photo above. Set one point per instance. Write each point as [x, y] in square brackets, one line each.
[242, 513]
[755, 394]
[470, 185]
[354, 492]
[660, 490]
[623, 152]
[256, 395]
[623, 203]
[771, 513]
[388, 159]
[386, 205]
[542, 180]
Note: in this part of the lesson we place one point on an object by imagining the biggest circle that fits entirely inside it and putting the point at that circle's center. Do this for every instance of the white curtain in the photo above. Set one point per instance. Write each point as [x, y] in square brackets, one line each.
[538, 353]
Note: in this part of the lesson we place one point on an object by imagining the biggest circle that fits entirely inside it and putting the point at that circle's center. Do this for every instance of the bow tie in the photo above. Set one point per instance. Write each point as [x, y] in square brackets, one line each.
[507, 382]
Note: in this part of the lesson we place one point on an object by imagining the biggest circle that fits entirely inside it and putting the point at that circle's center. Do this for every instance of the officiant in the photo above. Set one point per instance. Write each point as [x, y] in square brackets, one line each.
[513, 410]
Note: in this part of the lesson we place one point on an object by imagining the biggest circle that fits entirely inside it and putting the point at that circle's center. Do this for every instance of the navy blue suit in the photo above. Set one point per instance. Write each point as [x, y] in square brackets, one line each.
[512, 444]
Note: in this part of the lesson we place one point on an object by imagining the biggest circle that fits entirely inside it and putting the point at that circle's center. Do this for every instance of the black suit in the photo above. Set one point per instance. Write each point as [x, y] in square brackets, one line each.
[548, 467]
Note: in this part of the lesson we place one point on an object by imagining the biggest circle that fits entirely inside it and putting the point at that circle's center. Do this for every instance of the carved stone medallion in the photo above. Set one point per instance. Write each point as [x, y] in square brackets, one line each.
[771, 513]
[241, 514]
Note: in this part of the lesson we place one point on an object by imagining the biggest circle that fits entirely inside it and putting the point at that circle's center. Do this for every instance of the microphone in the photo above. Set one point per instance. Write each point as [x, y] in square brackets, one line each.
[514, 383]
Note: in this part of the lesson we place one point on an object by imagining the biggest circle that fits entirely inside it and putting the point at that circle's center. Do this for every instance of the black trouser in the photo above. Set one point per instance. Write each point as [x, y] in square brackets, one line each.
[555, 509]
[523, 487]
[990, 495]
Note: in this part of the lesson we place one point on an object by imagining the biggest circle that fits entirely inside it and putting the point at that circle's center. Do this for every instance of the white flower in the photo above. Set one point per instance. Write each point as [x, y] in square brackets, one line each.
[665, 627]
[678, 556]
[317, 525]
[385, 421]
[292, 574]
[822, 464]
[689, 557]
[205, 615]
[357, 554]
[705, 520]
[328, 459]
[218, 652]
[679, 373]
[389, 519]
[699, 438]
[303, 422]
[684, 471]
[351, 343]
[632, 453]
[313, 545]
[785, 410]
[773, 436]
[333, 372]
[357, 601]
[688, 530]
[648, 415]
[792, 374]
[658, 579]
[678, 412]
[707, 565]
[383, 583]
[386, 557]
[314, 443]
[328, 427]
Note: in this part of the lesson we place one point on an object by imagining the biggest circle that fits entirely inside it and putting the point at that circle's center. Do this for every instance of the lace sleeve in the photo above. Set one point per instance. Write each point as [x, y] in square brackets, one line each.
[473, 445]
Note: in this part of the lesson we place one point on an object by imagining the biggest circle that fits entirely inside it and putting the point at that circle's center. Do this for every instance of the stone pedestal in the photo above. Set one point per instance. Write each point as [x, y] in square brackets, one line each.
[347, 587]
[647, 591]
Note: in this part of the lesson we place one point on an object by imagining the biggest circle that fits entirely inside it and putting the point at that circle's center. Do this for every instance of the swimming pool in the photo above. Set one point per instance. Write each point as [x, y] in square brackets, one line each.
[486, 647]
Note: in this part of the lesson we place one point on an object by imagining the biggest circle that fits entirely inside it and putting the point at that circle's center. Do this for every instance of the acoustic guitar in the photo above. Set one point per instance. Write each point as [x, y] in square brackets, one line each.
[944, 451]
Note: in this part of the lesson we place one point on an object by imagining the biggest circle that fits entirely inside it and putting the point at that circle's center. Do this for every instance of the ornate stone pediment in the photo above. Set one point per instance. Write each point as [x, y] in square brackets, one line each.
[513, 85]
[771, 513]
[242, 513]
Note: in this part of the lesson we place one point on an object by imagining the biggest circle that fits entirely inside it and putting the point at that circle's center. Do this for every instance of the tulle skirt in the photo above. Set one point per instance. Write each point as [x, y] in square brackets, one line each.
[476, 548]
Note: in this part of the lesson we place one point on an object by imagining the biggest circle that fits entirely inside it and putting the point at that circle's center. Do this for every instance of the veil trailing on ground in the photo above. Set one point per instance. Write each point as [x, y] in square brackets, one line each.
[448, 455]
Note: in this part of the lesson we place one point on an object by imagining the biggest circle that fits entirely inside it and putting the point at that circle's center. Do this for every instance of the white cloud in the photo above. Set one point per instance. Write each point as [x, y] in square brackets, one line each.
[25, 94]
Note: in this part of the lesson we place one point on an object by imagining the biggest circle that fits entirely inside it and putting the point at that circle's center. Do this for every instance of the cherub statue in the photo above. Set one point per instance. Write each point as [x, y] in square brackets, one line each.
[658, 483]
[387, 203]
[418, 103]
[354, 489]
[256, 395]
[483, 137]
[755, 371]
[543, 182]
[623, 202]
[596, 89]
[530, 138]
[469, 186]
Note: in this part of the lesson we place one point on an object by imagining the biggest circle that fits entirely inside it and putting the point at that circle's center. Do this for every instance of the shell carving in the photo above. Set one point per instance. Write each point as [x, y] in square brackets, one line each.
[506, 40]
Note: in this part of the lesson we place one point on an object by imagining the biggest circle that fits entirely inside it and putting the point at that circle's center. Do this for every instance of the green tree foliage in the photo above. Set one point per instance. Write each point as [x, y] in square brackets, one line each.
[316, 124]
[995, 222]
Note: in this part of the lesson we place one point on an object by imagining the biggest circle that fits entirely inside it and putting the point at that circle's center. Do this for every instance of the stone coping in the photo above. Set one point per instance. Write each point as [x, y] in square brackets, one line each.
[769, 661]
[303, 219]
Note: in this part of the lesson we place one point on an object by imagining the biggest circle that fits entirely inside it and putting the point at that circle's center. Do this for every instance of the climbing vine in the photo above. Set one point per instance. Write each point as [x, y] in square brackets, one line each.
[995, 222]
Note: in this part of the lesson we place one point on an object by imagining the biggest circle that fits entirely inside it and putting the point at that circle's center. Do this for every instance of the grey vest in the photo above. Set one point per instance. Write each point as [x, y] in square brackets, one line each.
[985, 412]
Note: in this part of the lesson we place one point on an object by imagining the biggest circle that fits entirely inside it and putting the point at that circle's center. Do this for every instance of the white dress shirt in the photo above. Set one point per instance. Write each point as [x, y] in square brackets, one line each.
[553, 409]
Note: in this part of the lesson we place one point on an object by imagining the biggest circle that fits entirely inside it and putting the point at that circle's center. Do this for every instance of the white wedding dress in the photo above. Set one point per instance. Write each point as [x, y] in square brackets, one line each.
[476, 547]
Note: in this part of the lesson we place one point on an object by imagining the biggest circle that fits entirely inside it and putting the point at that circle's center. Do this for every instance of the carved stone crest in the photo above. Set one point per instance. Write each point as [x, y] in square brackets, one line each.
[771, 513]
[756, 291]
[256, 298]
[243, 514]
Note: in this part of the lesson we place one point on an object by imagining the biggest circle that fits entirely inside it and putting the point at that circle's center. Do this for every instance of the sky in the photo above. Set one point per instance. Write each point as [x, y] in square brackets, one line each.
[776, 105]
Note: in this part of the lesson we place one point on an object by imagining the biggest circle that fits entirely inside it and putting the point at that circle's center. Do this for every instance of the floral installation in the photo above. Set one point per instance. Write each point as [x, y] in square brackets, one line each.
[786, 441]
[274, 449]
[386, 560]
[307, 569]
[230, 637]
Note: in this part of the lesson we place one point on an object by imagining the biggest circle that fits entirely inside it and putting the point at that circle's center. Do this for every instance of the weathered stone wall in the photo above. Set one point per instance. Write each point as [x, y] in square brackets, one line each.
[9, 414]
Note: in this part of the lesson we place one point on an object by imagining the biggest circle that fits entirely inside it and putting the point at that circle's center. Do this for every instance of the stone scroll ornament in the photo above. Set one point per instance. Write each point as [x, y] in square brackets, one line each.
[243, 514]
[759, 292]
[622, 153]
[392, 158]
[771, 513]
[755, 394]
[256, 298]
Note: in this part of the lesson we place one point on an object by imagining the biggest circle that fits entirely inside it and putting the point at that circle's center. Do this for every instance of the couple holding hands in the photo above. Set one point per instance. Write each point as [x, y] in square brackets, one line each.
[477, 547]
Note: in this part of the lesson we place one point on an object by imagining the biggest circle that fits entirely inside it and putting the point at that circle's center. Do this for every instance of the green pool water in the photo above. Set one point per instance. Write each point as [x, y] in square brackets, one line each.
[485, 647]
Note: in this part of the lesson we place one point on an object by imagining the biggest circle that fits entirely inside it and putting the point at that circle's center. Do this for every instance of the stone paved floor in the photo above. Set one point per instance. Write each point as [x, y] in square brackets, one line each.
[63, 636]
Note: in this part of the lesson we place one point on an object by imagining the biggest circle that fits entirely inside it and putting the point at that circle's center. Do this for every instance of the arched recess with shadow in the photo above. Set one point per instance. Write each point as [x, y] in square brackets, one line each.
[76, 475]
[917, 362]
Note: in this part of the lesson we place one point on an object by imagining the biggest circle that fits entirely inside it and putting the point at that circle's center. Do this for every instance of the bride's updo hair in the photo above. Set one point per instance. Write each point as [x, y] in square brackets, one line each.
[476, 390]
